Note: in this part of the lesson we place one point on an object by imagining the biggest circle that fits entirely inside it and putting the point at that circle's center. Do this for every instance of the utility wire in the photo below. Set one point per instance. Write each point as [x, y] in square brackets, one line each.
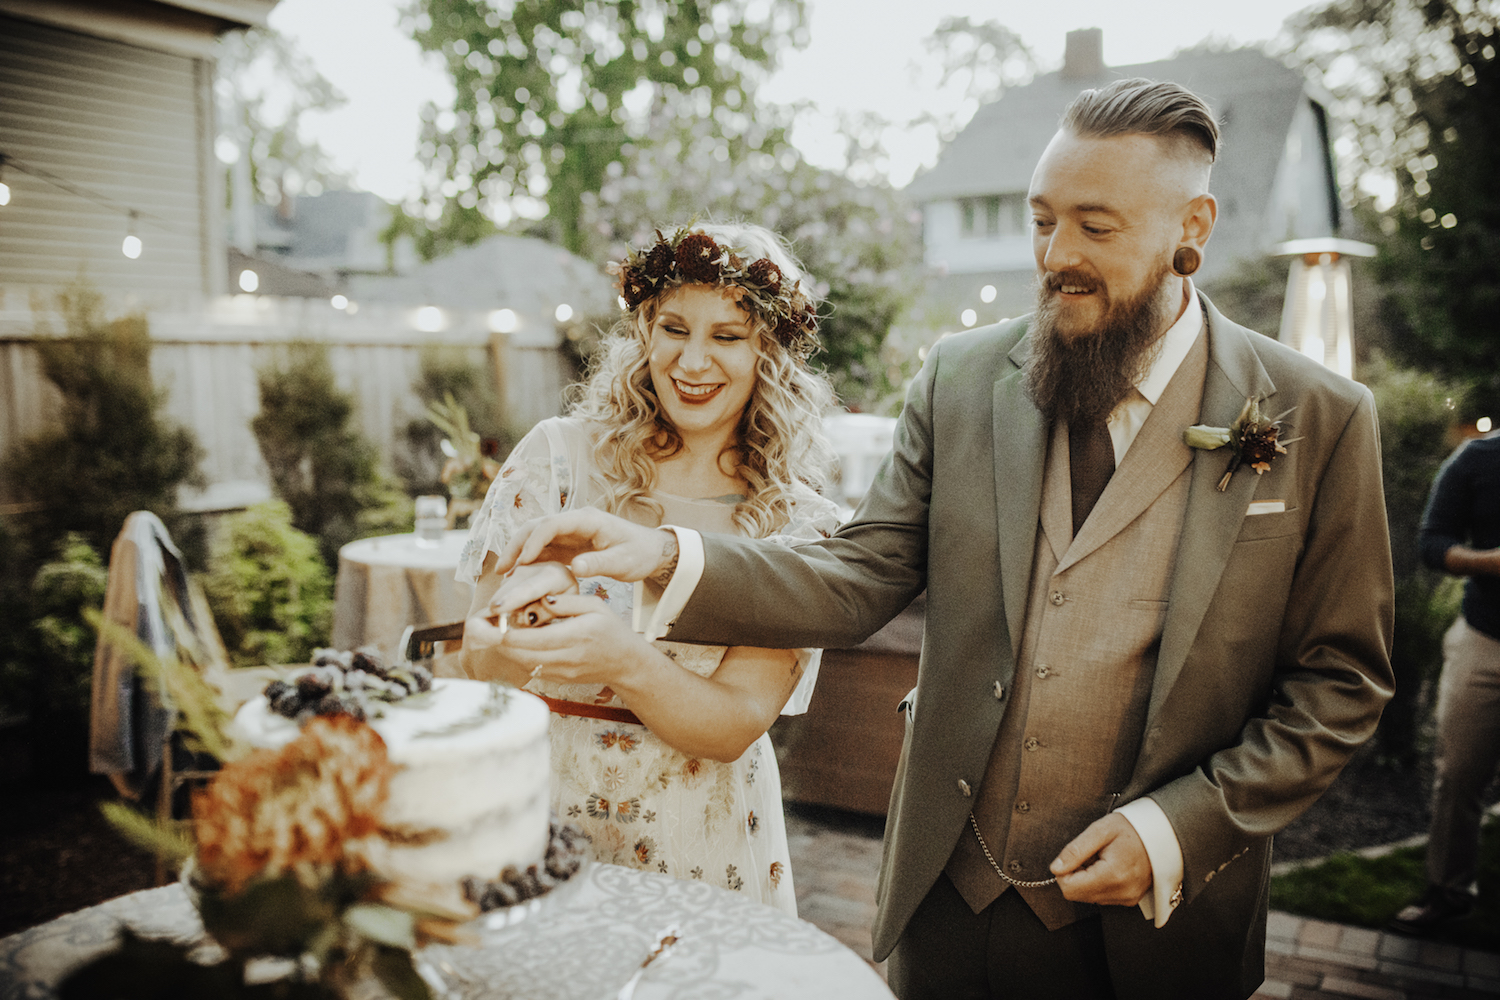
[7, 160]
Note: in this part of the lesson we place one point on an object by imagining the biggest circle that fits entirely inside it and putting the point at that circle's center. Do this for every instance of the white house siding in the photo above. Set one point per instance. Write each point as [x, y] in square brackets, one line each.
[128, 124]
[947, 248]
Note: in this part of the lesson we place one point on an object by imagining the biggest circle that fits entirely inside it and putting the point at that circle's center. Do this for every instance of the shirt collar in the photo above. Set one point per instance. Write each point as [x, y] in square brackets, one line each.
[1174, 346]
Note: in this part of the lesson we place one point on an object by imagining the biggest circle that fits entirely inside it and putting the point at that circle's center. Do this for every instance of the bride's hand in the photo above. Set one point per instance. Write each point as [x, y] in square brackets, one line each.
[532, 583]
[486, 655]
[585, 643]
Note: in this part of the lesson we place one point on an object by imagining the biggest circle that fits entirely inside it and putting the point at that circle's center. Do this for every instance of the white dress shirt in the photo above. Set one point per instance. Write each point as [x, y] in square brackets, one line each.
[655, 614]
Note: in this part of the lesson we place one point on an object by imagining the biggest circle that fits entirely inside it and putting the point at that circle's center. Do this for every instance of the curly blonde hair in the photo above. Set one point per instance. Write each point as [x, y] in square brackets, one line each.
[779, 441]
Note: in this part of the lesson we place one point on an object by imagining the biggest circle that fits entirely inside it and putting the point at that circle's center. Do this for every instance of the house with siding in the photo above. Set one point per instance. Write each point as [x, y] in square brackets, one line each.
[1274, 178]
[107, 130]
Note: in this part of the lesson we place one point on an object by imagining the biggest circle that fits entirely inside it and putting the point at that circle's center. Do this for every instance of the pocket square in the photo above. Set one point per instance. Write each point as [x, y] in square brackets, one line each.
[1266, 507]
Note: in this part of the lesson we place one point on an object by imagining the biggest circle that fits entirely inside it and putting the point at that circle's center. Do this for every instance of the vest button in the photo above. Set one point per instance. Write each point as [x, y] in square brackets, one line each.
[1032, 743]
[1023, 806]
[1015, 867]
[1042, 671]
[1057, 598]
[963, 786]
[999, 691]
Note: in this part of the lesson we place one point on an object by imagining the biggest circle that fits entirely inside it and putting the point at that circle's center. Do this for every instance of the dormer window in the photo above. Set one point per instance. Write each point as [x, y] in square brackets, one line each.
[993, 216]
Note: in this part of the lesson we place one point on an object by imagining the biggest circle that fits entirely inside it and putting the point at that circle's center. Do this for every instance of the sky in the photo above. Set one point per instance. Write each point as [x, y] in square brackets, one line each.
[862, 56]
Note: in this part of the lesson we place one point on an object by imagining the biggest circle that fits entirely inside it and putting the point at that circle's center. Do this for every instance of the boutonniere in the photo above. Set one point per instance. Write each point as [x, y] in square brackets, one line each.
[1252, 440]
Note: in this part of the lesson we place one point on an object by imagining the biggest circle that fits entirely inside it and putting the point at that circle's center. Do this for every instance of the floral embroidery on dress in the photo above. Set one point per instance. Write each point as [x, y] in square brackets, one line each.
[776, 869]
[618, 738]
[613, 779]
[696, 873]
[574, 811]
[732, 878]
[661, 866]
[597, 807]
[752, 823]
[649, 816]
[645, 849]
[628, 811]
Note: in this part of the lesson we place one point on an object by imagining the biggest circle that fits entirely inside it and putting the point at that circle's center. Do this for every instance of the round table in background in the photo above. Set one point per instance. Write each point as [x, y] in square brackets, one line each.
[391, 581]
[583, 946]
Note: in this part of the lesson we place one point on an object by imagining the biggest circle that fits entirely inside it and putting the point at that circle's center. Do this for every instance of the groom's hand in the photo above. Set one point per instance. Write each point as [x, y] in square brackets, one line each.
[1106, 863]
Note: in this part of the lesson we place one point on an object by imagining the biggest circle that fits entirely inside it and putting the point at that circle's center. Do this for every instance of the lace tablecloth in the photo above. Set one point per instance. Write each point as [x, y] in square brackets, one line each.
[582, 948]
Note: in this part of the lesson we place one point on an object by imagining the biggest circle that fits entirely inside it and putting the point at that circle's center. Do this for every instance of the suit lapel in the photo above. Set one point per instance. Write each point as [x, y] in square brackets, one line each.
[1020, 456]
[1213, 519]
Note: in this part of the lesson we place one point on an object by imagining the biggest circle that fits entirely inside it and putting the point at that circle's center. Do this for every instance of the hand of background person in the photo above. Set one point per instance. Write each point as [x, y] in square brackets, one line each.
[591, 543]
[1106, 863]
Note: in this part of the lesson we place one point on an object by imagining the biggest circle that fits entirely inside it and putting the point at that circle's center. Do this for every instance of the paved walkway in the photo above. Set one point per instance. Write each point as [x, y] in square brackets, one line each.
[836, 859]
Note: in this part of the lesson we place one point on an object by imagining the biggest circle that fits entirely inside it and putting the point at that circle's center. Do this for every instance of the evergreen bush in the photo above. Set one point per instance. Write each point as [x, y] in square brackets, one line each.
[268, 588]
[450, 371]
[320, 465]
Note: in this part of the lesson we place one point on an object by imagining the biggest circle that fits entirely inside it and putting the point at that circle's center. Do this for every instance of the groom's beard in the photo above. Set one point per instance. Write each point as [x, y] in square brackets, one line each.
[1079, 376]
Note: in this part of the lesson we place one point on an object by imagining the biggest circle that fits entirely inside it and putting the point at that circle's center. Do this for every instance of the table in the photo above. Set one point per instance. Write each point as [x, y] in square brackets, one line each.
[389, 582]
[584, 947]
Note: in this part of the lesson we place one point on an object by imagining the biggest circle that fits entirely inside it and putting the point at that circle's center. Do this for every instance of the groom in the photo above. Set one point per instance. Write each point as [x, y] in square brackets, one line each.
[1138, 664]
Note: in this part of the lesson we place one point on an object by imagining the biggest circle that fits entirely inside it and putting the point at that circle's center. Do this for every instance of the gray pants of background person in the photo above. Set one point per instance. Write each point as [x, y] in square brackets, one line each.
[948, 952]
[1468, 750]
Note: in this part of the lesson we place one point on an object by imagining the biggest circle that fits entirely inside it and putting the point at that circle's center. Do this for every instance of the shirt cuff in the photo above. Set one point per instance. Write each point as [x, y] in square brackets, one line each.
[1165, 852]
[656, 610]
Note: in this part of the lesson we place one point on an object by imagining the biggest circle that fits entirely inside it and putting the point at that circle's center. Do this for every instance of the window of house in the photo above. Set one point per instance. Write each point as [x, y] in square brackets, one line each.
[993, 216]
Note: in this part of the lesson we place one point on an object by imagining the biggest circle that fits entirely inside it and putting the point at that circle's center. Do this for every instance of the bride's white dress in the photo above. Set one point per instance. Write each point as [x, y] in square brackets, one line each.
[644, 804]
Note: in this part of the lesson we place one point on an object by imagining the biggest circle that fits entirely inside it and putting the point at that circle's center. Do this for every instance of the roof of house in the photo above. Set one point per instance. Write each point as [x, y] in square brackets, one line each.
[527, 275]
[1253, 96]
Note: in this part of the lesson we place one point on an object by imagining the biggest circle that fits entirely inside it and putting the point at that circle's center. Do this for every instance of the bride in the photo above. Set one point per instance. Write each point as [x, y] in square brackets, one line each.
[702, 414]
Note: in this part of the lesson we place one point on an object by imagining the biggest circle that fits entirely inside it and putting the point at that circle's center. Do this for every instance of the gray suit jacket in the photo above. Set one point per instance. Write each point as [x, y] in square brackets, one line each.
[1274, 660]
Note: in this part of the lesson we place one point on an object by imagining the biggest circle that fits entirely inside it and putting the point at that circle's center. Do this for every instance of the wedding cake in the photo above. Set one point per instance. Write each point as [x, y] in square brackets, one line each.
[469, 797]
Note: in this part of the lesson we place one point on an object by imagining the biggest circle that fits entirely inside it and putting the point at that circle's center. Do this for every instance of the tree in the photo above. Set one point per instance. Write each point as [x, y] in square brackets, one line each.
[1418, 82]
[264, 87]
[550, 93]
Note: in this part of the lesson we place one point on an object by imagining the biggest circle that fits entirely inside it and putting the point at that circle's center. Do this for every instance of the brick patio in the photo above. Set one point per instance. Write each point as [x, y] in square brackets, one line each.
[836, 858]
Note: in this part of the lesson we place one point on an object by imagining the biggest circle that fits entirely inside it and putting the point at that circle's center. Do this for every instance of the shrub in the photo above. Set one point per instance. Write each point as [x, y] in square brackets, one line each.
[111, 451]
[269, 589]
[324, 469]
[449, 371]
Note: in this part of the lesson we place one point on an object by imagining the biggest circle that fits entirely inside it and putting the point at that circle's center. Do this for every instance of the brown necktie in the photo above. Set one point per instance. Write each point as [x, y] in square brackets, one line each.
[1091, 457]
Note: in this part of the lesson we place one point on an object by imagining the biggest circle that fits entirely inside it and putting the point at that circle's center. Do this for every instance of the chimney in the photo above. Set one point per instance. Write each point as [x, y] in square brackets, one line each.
[1083, 58]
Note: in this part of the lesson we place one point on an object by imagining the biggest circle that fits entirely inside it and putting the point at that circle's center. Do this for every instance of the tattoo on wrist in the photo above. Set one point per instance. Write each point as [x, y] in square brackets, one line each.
[663, 576]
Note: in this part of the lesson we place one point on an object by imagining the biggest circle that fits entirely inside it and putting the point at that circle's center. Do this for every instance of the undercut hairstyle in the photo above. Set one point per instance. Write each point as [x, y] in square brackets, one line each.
[1144, 107]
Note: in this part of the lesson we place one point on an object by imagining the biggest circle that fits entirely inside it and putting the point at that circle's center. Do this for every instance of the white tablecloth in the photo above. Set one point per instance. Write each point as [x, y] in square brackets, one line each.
[390, 582]
[583, 947]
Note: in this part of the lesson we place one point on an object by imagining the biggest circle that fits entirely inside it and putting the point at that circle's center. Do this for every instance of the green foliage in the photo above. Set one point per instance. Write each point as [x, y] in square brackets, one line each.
[1253, 293]
[111, 450]
[321, 466]
[265, 87]
[63, 590]
[542, 110]
[1419, 82]
[1417, 413]
[269, 589]
[1368, 892]
[450, 371]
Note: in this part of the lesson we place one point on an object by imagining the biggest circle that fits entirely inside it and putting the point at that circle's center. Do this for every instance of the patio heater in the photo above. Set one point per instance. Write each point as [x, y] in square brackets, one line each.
[1317, 318]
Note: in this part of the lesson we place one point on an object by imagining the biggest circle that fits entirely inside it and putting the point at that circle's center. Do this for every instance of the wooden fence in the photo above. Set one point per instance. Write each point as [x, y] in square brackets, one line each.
[208, 362]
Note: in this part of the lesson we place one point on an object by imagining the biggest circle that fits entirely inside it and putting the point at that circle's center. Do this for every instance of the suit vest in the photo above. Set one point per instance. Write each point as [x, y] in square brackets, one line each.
[1071, 733]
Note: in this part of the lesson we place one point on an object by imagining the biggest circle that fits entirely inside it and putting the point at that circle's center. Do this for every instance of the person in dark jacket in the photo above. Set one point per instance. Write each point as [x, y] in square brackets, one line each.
[1461, 535]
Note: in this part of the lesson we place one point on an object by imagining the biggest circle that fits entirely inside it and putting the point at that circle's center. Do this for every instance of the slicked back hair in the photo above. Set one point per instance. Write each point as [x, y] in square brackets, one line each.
[1144, 107]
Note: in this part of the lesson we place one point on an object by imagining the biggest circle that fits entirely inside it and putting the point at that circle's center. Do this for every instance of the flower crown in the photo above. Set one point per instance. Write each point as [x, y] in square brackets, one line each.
[693, 257]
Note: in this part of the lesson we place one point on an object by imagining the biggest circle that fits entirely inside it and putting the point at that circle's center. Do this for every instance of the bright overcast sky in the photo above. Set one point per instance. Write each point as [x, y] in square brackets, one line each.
[862, 57]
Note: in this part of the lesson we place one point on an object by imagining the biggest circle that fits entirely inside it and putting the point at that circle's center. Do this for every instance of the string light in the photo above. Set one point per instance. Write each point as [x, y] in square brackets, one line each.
[131, 247]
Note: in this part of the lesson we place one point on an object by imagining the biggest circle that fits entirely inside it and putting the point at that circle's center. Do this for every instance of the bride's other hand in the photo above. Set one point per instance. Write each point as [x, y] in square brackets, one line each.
[485, 654]
[518, 599]
[585, 643]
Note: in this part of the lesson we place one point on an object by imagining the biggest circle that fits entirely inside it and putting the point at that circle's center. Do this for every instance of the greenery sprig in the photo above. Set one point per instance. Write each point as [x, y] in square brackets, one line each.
[1252, 440]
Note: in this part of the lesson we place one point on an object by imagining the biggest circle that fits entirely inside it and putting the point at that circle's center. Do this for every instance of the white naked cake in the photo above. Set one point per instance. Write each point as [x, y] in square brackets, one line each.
[471, 793]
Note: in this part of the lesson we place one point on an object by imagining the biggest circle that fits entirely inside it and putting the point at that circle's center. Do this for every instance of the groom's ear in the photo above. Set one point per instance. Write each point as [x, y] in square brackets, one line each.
[1198, 221]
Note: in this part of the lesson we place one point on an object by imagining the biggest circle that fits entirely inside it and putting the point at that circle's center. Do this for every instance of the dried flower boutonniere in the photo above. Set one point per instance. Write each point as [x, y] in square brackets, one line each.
[1252, 440]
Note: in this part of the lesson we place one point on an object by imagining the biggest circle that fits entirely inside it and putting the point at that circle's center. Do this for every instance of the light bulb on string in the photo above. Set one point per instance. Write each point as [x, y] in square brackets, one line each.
[131, 247]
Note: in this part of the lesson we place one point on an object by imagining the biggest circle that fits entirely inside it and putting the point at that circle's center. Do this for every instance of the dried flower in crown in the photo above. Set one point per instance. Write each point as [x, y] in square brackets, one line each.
[302, 809]
[694, 257]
